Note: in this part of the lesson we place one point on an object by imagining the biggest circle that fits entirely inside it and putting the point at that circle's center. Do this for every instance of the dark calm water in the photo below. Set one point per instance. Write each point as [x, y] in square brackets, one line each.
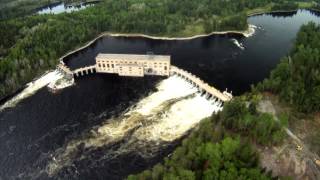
[216, 59]
[44, 122]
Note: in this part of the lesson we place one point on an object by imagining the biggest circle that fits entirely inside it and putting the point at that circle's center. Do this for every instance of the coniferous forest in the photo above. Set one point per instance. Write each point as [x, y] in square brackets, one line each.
[32, 44]
[297, 78]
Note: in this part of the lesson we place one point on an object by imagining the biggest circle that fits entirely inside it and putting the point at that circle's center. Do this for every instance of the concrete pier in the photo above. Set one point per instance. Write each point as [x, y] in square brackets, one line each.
[84, 71]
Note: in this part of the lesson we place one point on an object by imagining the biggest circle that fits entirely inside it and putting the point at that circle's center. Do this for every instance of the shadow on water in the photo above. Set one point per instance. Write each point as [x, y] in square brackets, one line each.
[315, 12]
[283, 14]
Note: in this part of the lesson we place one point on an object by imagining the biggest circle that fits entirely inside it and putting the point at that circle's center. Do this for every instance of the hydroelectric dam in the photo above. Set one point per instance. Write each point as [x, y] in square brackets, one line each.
[135, 65]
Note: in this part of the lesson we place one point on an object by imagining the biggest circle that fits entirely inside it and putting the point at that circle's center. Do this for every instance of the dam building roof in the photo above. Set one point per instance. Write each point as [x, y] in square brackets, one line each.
[133, 57]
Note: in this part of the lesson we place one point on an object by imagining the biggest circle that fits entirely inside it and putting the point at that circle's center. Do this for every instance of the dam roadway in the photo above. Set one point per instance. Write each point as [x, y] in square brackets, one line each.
[201, 85]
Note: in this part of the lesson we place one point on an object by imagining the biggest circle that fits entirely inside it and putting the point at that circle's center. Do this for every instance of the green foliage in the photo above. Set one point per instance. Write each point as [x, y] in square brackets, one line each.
[296, 79]
[261, 127]
[285, 5]
[316, 6]
[227, 159]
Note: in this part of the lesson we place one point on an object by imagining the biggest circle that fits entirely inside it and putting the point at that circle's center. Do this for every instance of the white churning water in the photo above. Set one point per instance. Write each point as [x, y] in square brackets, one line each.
[54, 80]
[158, 119]
[32, 88]
[250, 32]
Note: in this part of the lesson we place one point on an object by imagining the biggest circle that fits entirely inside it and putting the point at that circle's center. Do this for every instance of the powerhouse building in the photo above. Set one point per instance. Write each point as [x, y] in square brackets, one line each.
[133, 65]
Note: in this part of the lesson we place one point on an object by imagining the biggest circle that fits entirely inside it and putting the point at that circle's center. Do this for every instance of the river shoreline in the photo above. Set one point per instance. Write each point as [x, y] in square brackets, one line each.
[271, 12]
[150, 37]
[245, 33]
[242, 33]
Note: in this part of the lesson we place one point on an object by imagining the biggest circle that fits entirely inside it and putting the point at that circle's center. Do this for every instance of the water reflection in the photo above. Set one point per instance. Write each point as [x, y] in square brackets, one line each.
[56, 8]
[283, 14]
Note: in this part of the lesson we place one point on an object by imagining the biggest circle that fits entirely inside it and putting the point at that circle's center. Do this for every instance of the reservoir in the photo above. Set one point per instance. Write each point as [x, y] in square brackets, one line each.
[107, 127]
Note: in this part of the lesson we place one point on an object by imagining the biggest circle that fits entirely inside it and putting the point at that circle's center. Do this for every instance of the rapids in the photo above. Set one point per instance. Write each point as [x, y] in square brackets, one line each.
[49, 78]
[145, 128]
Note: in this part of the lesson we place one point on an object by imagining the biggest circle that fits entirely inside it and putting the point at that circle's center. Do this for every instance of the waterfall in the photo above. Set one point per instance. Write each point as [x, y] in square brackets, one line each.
[154, 122]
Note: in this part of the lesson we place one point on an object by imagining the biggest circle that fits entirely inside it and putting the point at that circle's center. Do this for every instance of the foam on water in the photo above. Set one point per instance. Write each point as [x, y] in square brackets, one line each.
[32, 88]
[172, 87]
[49, 79]
[237, 43]
[177, 120]
[157, 120]
[251, 31]
[60, 83]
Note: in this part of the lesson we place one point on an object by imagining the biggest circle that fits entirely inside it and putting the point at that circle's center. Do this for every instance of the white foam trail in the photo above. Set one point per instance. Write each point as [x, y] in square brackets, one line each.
[60, 83]
[180, 118]
[237, 43]
[32, 88]
[172, 87]
[162, 117]
[251, 30]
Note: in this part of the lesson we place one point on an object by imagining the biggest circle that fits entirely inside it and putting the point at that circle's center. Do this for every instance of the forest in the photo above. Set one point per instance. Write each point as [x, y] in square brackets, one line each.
[219, 149]
[31, 45]
[297, 78]
[285, 6]
[316, 6]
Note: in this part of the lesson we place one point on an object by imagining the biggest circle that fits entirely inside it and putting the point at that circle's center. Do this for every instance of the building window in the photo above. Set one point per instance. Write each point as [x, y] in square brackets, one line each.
[108, 65]
[112, 65]
[104, 65]
[165, 68]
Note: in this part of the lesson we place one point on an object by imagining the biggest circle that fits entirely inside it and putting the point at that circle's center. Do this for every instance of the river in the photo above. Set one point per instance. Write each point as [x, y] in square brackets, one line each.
[107, 127]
